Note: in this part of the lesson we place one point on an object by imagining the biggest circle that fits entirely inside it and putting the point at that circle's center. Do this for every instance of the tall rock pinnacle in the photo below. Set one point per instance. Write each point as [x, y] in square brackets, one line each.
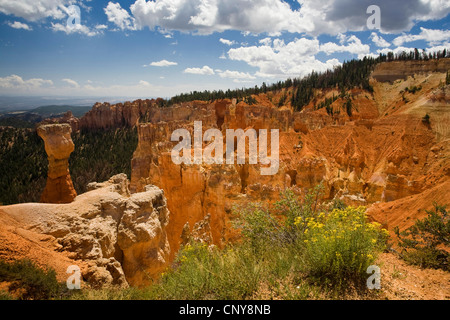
[59, 146]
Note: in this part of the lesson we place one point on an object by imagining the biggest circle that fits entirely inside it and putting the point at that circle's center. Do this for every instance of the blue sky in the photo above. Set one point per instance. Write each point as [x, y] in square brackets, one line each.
[146, 49]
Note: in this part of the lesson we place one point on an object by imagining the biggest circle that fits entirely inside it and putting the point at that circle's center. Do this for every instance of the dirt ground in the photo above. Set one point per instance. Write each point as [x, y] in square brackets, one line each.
[400, 281]
[17, 242]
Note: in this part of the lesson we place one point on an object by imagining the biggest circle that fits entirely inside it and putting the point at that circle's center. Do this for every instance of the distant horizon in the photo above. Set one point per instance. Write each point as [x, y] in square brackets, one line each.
[25, 103]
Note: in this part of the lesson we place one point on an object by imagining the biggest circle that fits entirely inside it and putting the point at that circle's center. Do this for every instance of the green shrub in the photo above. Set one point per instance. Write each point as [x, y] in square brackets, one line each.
[209, 273]
[427, 242]
[340, 245]
[257, 225]
[5, 296]
[413, 89]
[282, 247]
[36, 283]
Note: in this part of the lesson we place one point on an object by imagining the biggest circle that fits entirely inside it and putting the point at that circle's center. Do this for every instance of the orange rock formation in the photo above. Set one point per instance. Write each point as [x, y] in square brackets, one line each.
[382, 153]
[59, 146]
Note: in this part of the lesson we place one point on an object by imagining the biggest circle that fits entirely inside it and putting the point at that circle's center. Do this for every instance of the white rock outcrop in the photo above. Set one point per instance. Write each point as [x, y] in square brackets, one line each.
[122, 237]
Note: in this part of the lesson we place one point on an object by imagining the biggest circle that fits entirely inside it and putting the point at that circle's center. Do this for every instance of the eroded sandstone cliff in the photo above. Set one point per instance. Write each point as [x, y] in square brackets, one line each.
[382, 152]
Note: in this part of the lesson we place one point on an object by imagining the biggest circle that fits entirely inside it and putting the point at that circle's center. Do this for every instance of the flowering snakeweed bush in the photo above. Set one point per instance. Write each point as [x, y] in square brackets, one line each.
[282, 247]
[341, 244]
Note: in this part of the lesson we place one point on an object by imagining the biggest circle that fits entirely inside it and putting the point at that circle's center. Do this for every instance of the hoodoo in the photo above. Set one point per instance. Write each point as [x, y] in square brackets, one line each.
[58, 146]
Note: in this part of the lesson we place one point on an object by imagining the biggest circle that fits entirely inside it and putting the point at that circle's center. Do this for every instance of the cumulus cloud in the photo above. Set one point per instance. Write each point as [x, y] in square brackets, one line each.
[208, 16]
[76, 28]
[351, 45]
[313, 17]
[119, 16]
[280, 60]
[144, 83]
[396, 16]
[162, 63]
[227, 42]
[401, 49]
[17, 82]
[101, 27]
[19, 25]
[379, 41]
[138, 89]
[71, 82]
[266, 41]
[235, 75]
[205, 70]
[433, 37]
[33, 10]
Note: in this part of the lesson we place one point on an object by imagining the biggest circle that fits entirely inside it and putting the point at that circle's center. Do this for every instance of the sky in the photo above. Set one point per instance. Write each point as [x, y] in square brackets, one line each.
[160, 48]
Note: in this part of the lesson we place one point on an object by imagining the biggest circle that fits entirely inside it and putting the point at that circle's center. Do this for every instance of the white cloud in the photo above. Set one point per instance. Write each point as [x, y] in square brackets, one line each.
[438, 9]
[335, 16]
[144, 83]
[314, 17]
[235, 75]
[227, 42]
[19, 25]
[401, 49]
[280, 60]
[101, 27]
[266, 41]
[17, 82]
[162, 63]
[379, 41]
[273, 17]
[433, 37]
[208, 16]
[120, 17]
[205, 70]
[351, 45]
[140, 89]
[33, 10]
[71, 82]
[76, 28]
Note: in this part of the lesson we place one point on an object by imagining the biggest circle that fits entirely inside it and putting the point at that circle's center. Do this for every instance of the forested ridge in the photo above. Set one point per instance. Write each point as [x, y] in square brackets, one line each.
[97, 156]
[351, 74]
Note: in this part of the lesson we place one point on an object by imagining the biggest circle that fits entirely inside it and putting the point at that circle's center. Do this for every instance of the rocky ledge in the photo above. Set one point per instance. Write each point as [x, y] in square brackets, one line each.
[119, 238]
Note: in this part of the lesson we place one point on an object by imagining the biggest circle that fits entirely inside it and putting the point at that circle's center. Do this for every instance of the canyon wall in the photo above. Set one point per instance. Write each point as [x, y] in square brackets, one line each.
[382, 153]
[395, 70]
